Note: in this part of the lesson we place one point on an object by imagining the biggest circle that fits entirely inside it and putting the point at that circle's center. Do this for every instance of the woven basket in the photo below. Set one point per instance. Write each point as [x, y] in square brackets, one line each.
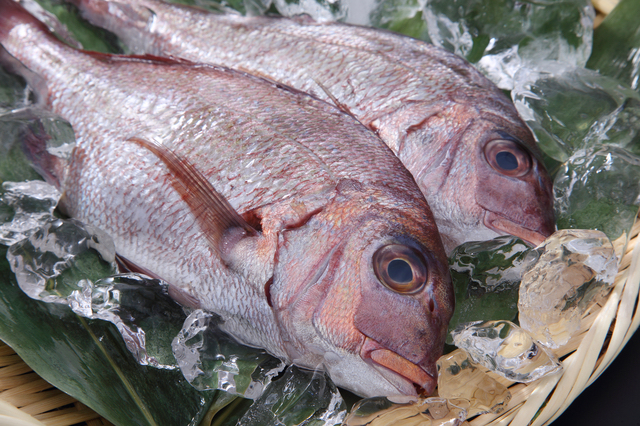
[26, 399]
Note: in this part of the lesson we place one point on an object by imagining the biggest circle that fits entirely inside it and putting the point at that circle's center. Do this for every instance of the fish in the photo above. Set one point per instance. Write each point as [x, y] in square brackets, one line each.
[473, 157]
[272, 209]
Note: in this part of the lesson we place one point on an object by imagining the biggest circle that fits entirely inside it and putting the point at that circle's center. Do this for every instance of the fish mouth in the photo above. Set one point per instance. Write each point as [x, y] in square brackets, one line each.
[409, 378]
[501, 224]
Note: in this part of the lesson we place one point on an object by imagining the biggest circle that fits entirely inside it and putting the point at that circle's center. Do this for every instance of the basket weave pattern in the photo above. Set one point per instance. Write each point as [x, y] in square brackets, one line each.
[39, 401]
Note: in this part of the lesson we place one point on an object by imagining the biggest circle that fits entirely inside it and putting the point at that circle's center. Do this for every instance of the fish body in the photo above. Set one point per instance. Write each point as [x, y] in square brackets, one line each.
[472, 156]
[260, 203]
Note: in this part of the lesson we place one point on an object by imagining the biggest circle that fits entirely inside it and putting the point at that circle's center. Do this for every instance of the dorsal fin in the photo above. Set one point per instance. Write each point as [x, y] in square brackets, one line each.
[342, 107]
[212, 211]
[146, 58]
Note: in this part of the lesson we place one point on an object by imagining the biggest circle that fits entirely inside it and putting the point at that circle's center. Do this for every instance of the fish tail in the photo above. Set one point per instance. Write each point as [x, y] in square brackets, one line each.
[29, 49]
[12, 14]
[92, 10]
[115, 16]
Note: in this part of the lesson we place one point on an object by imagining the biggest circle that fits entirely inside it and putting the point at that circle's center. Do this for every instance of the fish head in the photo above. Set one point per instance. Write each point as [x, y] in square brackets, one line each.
[483, 175]
[363, 290]
[512, 184]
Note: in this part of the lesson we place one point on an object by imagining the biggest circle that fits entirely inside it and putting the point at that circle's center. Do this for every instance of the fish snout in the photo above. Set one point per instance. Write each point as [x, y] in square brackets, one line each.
[403, 338]
[405, 306]
[534, 236]
[398, 369]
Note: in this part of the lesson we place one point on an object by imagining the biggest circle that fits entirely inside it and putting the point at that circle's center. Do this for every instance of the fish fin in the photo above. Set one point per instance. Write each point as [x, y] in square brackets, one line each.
[36, 83]
[13, 14]
[180, 296]
[126, 266]
[219, 221]
[114, 58]
[342, 107]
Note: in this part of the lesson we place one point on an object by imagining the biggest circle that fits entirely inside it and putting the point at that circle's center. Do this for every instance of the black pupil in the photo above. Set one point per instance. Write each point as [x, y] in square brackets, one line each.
[506, 160]
[400, 271]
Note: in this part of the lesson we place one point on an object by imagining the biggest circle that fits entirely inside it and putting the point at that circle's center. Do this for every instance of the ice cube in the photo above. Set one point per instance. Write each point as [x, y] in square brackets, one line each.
[402, 16]
[319, 10]
[298, 397]
[486, 277]
[24, 208]
[460, 378]
[574, 108]
[599, 188]
[506, 349]
[69, 263]
[210, 359]
[570, 272]
[434, 411]
[505, 35]
[51, 262]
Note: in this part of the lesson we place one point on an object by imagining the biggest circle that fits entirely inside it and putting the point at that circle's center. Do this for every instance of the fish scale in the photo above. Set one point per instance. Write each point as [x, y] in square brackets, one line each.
[323, 45]
[437, 113]
[254, 201]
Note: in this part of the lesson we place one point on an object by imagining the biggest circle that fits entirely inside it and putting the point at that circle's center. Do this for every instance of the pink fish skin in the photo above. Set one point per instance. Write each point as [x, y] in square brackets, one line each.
[472, 156]
[271, 208]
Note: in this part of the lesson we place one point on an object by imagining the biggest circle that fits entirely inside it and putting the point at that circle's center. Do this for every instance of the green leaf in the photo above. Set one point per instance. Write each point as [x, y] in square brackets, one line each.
[88, 360]
[599, 188]
[91, 37]
[486, 278]
[616, 44]
[402, 16]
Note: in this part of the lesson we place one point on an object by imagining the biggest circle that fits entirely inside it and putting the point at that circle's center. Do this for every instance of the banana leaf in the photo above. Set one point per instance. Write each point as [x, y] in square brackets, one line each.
[616, 44]
[89, 360]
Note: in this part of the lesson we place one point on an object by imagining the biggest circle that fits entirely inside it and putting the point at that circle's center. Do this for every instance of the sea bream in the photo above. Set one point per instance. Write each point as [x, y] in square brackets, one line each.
[271, 208]
[473, 157]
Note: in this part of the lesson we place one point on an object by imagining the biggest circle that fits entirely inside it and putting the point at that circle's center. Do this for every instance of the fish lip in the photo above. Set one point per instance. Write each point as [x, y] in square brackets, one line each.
[501, 224]
[399, 371]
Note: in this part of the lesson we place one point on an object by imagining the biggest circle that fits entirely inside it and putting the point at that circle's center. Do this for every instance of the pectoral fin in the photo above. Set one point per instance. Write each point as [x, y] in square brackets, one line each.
[218, 220]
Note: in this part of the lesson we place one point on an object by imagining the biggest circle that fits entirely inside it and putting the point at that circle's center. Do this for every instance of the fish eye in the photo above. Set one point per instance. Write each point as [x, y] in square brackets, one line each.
[508, 157]
[400, 268]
